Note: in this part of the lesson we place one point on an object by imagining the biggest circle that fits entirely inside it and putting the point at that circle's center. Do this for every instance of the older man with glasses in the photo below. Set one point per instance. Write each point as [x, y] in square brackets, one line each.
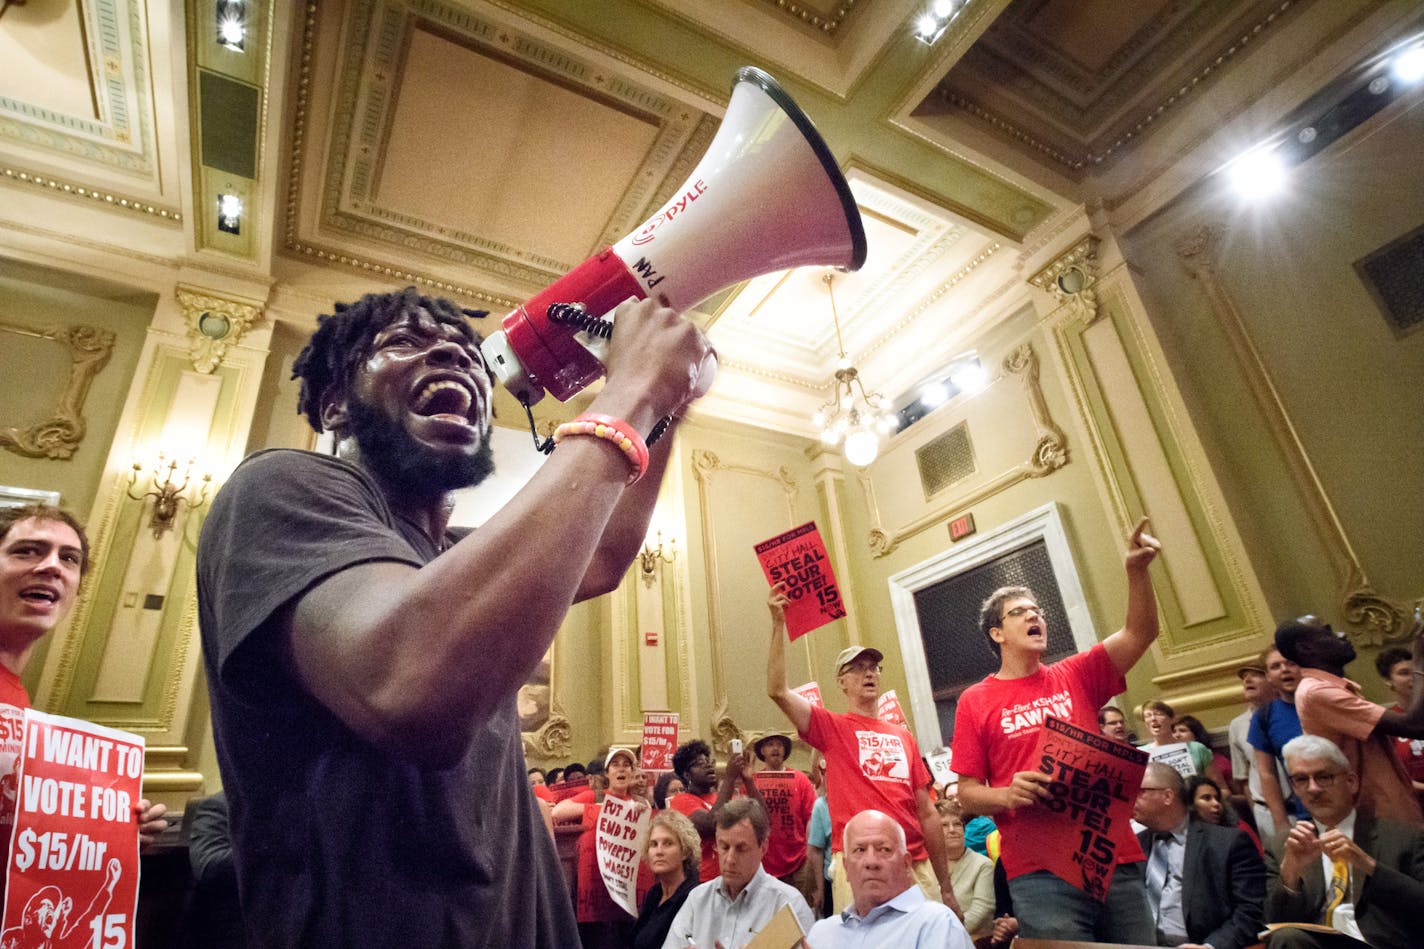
[1360, 876]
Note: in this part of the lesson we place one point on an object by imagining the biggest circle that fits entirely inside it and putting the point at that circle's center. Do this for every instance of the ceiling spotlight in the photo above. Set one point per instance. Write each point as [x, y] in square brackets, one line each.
[969, 376]
[927, 27]
[1379, 84]
[944, 9]
[1306, 135]
[230, 213]
[232, 24]
[1408, 66]
[934, 394]
[1259, 173]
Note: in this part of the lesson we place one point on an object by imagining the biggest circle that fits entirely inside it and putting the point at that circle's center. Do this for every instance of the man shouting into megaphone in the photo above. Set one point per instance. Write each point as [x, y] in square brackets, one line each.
[363, 658]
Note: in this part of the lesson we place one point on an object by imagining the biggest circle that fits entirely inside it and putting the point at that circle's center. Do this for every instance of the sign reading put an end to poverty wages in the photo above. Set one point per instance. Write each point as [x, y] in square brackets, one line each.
[659, 740]
[621, 836]
[798, 558]
[74, 845]
[1093, 782]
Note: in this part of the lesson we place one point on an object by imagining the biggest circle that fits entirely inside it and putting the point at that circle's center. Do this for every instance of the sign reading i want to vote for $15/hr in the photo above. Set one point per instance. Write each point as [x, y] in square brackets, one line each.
[72, 874]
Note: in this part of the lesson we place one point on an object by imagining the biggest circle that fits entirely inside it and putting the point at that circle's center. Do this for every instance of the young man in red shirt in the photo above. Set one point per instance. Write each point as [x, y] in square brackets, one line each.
[870, 764]
[997, 723]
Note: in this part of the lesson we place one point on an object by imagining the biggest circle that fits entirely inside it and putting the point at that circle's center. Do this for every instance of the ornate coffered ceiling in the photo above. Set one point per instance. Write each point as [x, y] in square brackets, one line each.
[484, 147]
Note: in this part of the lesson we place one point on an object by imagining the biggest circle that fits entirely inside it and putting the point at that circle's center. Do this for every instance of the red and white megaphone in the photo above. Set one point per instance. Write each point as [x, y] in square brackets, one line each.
[767, 196]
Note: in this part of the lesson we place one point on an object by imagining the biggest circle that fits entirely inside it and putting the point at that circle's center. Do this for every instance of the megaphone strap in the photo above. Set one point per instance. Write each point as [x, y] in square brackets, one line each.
[614, 430]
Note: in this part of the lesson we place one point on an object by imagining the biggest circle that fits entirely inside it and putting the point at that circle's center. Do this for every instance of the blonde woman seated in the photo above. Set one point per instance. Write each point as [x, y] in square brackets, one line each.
[971, 873]
[674, 850]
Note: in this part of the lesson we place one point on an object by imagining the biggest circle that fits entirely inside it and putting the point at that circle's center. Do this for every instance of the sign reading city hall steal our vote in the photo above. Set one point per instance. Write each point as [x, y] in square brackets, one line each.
[798, 558]
[74, 844]
[1093, 783]
[619, 842]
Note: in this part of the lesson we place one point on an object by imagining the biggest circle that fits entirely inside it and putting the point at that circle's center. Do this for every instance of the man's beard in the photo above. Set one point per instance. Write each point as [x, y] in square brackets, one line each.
[401, 460]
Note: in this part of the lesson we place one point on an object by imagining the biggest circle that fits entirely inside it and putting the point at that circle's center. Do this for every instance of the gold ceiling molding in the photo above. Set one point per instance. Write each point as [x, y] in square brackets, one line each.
[1072, 280]
[1372, 617]
[108, 199]
[828, 23]
[706, 466]
[1049, 453]
[933, 297]
[58, 436]
[214, 324]
[495, 301]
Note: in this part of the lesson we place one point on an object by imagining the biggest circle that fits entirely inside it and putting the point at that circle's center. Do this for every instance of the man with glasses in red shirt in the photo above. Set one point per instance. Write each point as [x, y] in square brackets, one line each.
[997, 723]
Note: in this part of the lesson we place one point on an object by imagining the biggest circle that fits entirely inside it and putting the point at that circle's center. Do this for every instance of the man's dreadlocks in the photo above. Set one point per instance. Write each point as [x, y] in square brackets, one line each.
[343, 340]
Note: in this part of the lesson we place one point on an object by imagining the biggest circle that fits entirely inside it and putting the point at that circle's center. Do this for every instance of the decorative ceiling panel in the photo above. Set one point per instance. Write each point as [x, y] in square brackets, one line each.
[76, 85]
[523, 131]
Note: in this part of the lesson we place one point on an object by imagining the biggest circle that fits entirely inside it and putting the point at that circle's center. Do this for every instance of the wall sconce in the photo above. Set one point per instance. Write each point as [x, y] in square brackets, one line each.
[168, 486]
[649, 556]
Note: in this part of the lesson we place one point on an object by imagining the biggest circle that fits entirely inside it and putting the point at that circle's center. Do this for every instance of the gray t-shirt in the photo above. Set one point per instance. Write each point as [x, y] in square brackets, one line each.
[337, 842]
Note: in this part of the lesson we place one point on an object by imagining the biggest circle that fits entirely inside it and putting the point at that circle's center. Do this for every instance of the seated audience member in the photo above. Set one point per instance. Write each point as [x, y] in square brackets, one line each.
[1205, 883]
[553, 776]
[693, 763]
[972, 873]
[1207, 804]
[1189, 728]
[601, 921]
[668, 785]
[1112, 723]
[887, 908]
[1272, 725]
[1332, 707]
[1343, 868]
[674, 848]
[539, 783]
[1158, 717]
[788, 796]
[730, 909]
[1396, 668]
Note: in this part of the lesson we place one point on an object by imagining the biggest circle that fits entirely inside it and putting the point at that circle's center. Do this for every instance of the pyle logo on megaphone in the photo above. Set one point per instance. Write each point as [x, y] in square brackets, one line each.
[755, 204]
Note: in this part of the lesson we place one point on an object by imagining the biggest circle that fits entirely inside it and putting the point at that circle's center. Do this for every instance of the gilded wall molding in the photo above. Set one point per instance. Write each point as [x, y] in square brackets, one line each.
[1072, 279]
[553, 739]
[706, 466]
[58, 436]
[1372, 618]
[1048, 454]
[214, 325]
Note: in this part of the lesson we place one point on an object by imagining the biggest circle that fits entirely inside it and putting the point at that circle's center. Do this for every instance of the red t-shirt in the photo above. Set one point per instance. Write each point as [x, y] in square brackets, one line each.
[1410, 751]
[688, 803]
[869, 764]
[996, 726]
[594, 903]
[789, 797]
[12, 691]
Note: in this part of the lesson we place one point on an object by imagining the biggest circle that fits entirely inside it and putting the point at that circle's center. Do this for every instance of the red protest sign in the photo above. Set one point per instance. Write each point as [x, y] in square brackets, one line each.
[75, 841]
[811, 692]
[1077, 831]
[12, 732]
[659, 740]
[888, 709]
[563, 790]
[799, 559]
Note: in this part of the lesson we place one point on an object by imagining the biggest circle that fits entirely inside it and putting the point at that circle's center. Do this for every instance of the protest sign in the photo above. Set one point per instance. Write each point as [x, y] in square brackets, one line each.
[798, 558]
[659, 740]
[75, 838]
[12, 730]
[1176, 756]
[811, 692]
[563, 790]
[621, 836]
[888, 709]
[939, 760]
[1076, 831]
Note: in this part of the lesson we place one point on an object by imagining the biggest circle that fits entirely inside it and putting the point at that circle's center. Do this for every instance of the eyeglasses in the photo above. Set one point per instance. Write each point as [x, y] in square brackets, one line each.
[1323, 781]
[1018, 611]
[861, 670]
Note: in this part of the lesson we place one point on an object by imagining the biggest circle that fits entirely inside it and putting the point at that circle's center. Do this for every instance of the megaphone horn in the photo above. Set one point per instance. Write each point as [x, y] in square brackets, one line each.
[766, 196]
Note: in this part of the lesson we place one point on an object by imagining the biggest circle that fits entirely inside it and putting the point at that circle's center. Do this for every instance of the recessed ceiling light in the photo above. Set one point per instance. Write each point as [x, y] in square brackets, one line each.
[1259, 173]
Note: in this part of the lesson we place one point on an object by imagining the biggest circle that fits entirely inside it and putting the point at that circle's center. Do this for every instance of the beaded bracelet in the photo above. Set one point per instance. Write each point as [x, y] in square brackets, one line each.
[612, 429]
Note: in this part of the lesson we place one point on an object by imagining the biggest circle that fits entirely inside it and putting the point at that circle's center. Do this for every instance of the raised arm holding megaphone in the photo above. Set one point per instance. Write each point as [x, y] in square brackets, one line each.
[766, 196]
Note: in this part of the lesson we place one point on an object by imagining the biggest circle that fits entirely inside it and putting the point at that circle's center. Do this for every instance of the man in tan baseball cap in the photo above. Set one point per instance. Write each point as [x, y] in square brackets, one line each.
[870, 764]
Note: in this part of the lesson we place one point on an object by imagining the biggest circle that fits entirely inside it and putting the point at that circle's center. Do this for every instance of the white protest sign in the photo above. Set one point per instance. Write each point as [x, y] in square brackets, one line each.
[621, 836]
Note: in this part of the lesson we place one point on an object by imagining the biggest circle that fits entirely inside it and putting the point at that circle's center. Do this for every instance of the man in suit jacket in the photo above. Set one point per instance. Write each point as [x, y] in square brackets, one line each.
[1206, 883]
[1379, 864]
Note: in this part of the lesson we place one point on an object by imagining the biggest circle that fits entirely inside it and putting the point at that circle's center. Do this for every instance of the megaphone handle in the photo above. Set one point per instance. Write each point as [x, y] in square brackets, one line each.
[659, 430]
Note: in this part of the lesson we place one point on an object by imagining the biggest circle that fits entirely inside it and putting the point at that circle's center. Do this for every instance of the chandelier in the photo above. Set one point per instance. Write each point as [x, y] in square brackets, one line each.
[852, 418]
